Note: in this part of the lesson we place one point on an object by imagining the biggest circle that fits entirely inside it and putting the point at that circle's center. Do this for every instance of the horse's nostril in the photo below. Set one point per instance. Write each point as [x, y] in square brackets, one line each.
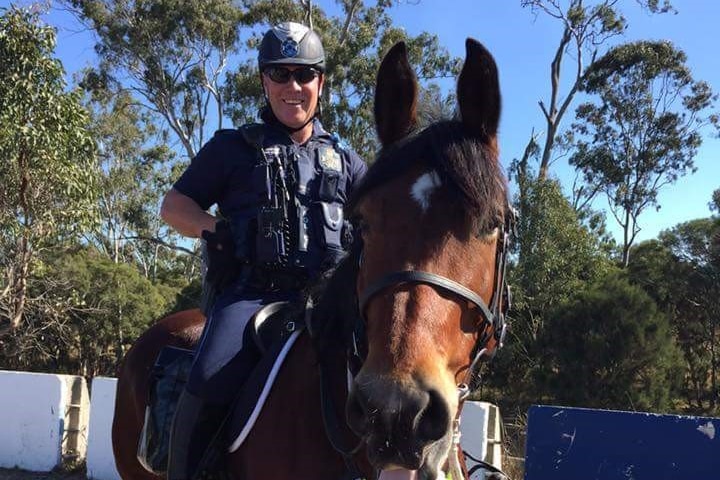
[434, 420]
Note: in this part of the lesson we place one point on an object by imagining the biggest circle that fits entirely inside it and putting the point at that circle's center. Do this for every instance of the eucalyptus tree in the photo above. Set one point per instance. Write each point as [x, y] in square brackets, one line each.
[696, 301]
[169, 54]
[48, 171]
[133, 164]
[641, 129]
[586, 27]
[136, 167]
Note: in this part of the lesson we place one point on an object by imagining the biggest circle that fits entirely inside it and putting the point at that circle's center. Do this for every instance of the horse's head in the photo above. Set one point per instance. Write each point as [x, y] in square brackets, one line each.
[429, 284]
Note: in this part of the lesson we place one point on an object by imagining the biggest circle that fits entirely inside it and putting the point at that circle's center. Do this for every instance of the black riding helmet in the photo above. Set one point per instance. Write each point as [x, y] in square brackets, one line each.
[291, 43]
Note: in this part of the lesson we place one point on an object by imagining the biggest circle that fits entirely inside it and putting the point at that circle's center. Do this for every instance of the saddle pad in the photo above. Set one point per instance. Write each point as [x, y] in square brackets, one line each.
[256, 390]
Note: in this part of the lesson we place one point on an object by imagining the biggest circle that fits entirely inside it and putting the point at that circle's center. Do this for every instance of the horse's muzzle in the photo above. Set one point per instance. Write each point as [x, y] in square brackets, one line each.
[400, 421]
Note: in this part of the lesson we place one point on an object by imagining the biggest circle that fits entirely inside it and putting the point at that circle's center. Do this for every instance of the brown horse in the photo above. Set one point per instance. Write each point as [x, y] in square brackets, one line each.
[416, 303]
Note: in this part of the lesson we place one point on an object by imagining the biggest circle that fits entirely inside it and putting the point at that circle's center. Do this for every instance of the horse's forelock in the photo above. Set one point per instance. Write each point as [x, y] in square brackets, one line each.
[470, 169]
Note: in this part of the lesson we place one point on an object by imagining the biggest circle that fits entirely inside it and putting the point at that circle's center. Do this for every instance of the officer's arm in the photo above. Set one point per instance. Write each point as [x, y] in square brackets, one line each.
[185, 215]
[358, 168]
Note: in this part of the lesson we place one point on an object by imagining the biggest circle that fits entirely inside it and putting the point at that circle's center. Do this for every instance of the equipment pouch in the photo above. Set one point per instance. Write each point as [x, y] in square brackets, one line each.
[261, 182]
[270, 238]
[329, 184]
[306, 172]
[329, 219]
[243, 229]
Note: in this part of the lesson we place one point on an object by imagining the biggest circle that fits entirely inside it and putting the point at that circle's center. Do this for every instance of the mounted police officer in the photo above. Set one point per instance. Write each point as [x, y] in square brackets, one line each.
[280, 187]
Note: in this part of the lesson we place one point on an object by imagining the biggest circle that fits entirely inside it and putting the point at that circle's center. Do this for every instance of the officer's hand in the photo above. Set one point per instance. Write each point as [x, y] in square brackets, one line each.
[222, 266]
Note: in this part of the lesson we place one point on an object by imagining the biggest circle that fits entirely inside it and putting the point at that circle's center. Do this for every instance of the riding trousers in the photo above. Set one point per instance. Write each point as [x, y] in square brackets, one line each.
[227, 354]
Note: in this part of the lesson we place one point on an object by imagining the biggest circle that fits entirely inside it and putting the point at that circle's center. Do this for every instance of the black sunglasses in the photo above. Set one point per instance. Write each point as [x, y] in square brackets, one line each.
[282, 74]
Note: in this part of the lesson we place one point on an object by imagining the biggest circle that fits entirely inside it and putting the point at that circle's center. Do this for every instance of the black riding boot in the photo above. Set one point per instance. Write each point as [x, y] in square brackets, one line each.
[195, 424]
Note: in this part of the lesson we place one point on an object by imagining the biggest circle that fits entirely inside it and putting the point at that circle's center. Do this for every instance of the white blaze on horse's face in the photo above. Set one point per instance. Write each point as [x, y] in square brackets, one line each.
[424, 187]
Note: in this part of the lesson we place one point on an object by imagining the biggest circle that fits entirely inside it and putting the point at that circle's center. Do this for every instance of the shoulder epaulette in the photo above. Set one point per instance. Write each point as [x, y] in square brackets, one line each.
[339, 144]
[224, 131]
[254, 134]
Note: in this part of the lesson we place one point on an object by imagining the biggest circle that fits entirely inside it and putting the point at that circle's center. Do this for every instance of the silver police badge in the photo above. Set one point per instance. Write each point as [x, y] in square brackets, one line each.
[330, 159]
[289, 48]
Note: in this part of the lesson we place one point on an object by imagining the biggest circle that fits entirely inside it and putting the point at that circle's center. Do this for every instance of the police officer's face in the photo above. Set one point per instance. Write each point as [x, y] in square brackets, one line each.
[292, 101]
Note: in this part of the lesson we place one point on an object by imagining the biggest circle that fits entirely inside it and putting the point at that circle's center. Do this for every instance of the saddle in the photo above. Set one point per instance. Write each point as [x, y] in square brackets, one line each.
[273, 332]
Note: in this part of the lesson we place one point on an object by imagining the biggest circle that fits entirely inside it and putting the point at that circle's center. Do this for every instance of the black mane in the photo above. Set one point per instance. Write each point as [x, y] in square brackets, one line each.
[470, 170]
[335, 311]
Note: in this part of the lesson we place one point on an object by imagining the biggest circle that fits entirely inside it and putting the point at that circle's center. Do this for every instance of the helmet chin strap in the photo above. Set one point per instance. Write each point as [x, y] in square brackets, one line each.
[297, 129]
[288, 129]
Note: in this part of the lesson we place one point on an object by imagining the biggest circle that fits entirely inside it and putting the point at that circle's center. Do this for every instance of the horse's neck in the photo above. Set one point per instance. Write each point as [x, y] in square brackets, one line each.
[289, 439]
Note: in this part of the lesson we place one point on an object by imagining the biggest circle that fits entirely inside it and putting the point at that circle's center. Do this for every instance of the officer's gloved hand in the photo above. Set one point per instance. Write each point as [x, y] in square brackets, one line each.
[222, 266]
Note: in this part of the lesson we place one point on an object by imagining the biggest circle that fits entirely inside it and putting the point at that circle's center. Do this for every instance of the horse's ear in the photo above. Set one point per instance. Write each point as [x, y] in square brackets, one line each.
[479, 91]
[396, 93]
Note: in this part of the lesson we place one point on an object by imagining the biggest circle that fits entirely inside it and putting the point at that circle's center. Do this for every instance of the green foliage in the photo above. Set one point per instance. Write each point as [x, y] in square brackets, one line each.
[653, 267]
[112, 300]
[557, 257]
[693, 280]
[48, 170]
[557, 254]
[609, 347]
[643, 130]
[682, 273]
[170, 53]
[92, 311]
[715, 203]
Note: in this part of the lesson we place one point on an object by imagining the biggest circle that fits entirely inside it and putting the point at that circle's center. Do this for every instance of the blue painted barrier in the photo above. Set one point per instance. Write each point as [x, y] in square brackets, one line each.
[583, 444]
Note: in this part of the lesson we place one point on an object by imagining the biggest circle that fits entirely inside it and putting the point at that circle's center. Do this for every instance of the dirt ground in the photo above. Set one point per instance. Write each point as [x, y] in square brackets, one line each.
[56, 475]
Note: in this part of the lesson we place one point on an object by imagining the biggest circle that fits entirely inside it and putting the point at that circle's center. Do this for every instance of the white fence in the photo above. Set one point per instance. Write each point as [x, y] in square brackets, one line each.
[481, 436]
[48, 419]
[100, 461]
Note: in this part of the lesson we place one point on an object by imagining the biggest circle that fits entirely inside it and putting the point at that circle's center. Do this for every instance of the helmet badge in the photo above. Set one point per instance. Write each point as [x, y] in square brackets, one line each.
[289, 48]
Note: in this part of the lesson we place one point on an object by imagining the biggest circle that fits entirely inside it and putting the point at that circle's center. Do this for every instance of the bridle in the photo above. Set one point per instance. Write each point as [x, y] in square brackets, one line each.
[493, 315]
[493, 325]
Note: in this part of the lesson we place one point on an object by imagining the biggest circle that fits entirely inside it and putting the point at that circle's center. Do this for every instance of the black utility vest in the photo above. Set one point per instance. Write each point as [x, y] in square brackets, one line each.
[298, 222]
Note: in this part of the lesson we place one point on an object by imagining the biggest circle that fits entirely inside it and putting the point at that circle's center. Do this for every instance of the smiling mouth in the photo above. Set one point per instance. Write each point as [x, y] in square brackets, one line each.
[293, 102]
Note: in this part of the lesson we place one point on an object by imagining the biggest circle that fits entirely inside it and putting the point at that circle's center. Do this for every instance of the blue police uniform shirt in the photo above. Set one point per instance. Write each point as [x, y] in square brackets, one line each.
[224, 172]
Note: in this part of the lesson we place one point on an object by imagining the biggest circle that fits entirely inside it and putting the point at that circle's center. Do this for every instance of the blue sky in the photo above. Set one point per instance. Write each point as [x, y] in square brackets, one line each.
[523, 46]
